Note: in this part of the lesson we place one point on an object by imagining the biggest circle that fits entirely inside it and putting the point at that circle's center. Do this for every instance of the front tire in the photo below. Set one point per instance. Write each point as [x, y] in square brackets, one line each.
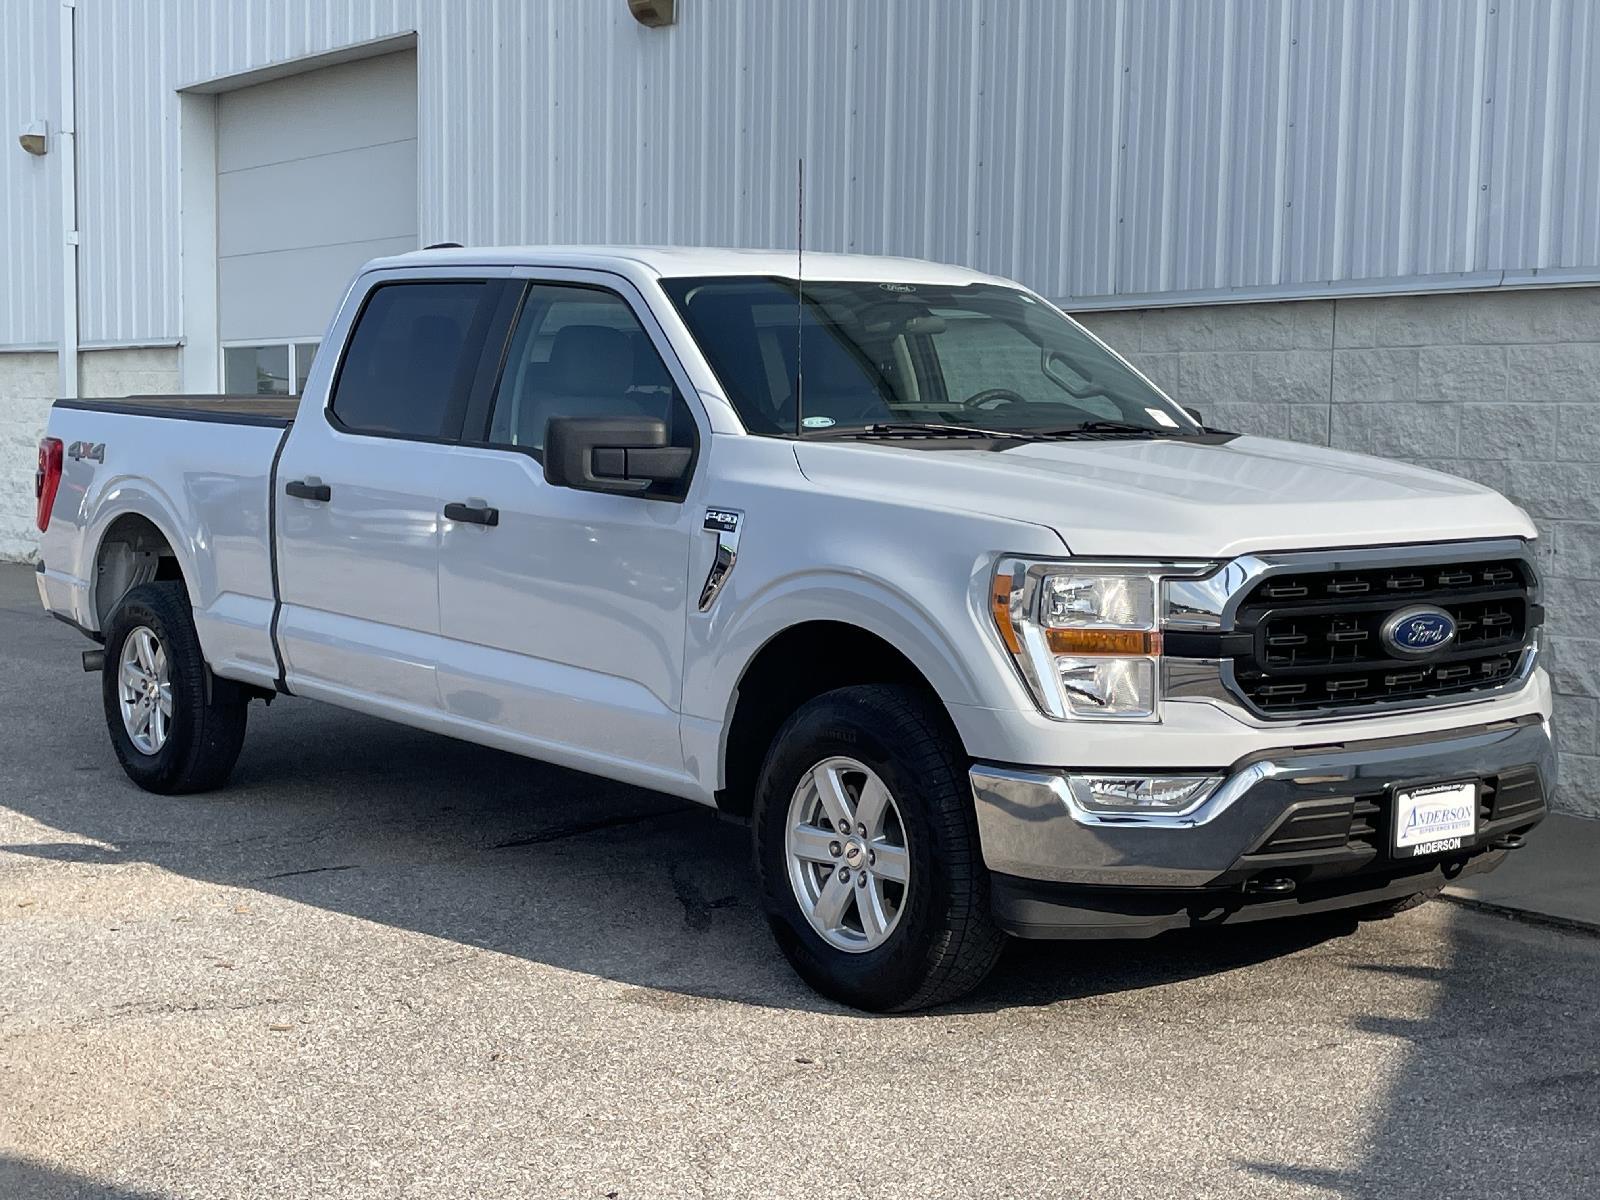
[867, 852]
[173, 728]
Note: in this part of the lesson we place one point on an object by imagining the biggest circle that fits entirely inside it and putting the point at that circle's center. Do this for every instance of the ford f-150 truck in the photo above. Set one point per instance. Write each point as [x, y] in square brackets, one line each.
[980, 631]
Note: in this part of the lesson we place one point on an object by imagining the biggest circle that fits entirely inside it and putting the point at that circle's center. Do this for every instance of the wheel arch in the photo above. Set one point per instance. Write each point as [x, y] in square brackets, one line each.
[132, 548]
[794, 665]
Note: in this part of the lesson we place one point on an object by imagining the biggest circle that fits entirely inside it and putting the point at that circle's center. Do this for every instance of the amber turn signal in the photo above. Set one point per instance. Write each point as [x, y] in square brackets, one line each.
[1123, 642]
[1000, 604]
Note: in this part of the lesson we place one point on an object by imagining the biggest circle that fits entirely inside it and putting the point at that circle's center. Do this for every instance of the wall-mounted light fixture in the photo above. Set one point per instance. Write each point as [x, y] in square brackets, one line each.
[654, 13]
[35, 139]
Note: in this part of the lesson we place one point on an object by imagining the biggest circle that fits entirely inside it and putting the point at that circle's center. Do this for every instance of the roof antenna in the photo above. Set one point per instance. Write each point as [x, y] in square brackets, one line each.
[800, 293]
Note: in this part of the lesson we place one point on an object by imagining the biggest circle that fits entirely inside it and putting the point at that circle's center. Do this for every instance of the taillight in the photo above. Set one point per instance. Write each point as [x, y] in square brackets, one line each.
[47, 479]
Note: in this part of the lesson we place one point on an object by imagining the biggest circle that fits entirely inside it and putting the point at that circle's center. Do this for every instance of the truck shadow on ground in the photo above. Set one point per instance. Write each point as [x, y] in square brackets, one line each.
[23, 1178]
[367, 818]
[1483, 1100]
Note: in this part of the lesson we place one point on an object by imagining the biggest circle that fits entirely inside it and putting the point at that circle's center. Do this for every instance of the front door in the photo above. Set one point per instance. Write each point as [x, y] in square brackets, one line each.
[563, 621]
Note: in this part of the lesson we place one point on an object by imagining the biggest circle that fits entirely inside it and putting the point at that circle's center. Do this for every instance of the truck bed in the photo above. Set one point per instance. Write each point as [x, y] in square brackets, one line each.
[276, 411]
[198, 468]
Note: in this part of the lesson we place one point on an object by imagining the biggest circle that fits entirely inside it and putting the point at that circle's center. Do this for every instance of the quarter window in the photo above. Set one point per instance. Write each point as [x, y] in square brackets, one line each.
[409, 361]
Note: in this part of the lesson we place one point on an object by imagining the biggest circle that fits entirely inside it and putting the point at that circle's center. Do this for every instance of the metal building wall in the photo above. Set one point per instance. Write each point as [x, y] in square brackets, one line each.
[132, 59]
[30, 192]
[1108, 152]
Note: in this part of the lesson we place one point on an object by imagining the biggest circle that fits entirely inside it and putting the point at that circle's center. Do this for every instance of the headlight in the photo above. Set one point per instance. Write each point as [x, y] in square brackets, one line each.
[1085, 637]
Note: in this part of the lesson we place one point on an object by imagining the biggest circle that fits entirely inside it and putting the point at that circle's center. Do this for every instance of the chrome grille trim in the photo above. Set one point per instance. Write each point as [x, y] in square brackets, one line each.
[1211, 605]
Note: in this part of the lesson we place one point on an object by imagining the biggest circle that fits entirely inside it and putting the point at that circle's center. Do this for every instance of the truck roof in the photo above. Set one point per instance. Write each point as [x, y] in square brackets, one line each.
[666, 262]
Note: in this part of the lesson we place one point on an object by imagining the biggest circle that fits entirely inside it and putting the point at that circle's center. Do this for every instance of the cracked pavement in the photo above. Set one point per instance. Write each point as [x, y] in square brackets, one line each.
[384, 964]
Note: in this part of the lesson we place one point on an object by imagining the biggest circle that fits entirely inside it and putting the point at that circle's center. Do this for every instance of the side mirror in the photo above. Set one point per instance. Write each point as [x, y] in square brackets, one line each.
[1195, 413]
[625, 455]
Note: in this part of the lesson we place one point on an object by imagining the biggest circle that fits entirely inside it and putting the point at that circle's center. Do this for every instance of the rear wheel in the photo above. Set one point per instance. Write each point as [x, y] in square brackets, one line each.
[173, 728]
[868, 852]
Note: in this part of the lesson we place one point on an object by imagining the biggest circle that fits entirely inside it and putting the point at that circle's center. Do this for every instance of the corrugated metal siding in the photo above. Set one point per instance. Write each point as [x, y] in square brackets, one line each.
[1109, 151]
[132, 59]
[30, 195]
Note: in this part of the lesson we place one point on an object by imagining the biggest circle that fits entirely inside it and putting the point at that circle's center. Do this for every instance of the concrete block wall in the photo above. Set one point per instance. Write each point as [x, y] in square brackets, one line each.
[1500, 387]
[27, 389]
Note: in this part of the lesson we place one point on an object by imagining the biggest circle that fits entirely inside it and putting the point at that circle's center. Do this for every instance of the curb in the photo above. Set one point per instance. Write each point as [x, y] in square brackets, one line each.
[1526, 916]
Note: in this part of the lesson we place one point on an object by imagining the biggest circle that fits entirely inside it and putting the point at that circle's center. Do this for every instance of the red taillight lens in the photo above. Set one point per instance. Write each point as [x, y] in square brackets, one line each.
[47, 479]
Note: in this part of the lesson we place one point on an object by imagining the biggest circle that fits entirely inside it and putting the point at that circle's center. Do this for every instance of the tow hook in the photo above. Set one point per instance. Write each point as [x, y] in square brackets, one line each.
[1511, 841]
[1272, 885]
[94, 660]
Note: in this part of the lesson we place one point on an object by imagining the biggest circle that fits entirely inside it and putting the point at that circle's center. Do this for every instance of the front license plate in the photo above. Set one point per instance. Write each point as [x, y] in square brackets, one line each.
[1435, 819]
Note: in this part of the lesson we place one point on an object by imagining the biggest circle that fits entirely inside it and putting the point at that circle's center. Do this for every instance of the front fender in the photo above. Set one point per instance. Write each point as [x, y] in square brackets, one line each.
[727, 648]
[947, 641]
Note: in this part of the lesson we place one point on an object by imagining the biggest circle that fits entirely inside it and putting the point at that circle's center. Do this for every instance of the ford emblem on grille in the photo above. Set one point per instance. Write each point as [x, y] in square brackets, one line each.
[1413, 632]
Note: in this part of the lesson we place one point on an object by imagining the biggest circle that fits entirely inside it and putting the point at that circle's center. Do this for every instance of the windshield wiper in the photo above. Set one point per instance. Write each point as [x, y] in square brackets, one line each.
[929, 428]
[1111, 427]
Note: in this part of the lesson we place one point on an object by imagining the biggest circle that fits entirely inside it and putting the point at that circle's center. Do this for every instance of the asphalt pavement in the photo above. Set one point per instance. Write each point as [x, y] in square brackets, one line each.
[384, 964]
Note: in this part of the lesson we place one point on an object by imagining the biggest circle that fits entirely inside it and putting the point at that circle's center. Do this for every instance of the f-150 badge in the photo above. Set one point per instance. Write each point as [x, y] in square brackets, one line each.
[725, 523]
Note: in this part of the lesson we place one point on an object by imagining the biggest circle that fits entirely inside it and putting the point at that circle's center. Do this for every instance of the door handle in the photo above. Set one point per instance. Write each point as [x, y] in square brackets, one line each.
[470, 515]
[302, 489]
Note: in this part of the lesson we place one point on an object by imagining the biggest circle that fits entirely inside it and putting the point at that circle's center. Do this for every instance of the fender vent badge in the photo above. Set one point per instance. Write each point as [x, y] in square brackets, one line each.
[725, 523]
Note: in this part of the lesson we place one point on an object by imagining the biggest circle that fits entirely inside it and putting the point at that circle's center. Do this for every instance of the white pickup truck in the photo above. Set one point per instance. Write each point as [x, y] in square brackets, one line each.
[981, 632]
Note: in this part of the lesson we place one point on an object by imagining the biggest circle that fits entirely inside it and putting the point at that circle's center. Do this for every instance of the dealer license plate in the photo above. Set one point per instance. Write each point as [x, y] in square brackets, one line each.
[1435, 819]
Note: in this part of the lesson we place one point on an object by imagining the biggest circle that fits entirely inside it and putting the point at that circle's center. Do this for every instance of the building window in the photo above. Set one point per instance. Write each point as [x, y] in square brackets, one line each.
[273, 369]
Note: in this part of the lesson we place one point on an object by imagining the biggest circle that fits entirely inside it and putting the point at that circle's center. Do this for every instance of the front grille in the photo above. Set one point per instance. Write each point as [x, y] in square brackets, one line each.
[1516, 793]
[1310, 641]
[1334, 824]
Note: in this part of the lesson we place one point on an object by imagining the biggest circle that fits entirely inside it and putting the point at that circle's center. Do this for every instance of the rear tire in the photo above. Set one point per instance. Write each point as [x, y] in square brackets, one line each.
[169, 734]
[927, 937]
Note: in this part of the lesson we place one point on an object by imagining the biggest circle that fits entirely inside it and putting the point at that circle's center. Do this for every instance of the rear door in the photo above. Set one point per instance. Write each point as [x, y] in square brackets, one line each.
[360, 489]
[564, 620]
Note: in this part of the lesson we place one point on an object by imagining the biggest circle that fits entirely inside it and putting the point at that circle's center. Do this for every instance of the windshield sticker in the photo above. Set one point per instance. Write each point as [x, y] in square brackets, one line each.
[817, 422]
[1162, 418]
[897, 287]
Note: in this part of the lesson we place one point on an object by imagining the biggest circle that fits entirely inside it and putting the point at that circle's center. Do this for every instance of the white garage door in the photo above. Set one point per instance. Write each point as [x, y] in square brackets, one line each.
[316, 173]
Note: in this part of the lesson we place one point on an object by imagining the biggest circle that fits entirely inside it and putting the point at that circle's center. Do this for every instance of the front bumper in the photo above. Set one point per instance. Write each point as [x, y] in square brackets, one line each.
[1317, 817]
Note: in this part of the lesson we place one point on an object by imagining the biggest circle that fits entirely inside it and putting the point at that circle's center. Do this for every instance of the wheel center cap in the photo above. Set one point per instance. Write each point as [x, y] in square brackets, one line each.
[854, 853]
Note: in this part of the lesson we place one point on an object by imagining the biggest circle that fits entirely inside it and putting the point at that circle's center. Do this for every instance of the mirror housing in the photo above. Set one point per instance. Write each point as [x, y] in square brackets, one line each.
[1195, 413]
[627, 456]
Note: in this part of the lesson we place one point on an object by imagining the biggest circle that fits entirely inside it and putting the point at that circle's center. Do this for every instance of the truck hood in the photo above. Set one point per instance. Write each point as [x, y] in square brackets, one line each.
[1176, 498]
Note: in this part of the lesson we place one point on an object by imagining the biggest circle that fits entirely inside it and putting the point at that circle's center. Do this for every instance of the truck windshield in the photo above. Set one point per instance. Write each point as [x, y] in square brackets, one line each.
[892, 357]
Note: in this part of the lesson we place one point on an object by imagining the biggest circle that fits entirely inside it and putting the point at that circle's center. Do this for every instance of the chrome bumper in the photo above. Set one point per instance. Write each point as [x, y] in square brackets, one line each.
[1031, 829]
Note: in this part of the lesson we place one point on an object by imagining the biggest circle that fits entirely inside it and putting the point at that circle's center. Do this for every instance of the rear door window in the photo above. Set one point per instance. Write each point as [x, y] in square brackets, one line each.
[409, 364]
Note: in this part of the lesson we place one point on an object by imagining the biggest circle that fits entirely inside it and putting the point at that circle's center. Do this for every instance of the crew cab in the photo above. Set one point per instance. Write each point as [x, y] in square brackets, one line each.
[980, 631]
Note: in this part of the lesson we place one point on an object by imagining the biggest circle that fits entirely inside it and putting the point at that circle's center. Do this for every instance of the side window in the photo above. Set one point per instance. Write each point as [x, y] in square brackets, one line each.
[408, 365]
[580, 352]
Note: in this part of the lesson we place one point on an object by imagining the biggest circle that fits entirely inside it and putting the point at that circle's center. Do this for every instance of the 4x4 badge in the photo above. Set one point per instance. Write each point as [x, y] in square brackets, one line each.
[94, 451]
[725, 523]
